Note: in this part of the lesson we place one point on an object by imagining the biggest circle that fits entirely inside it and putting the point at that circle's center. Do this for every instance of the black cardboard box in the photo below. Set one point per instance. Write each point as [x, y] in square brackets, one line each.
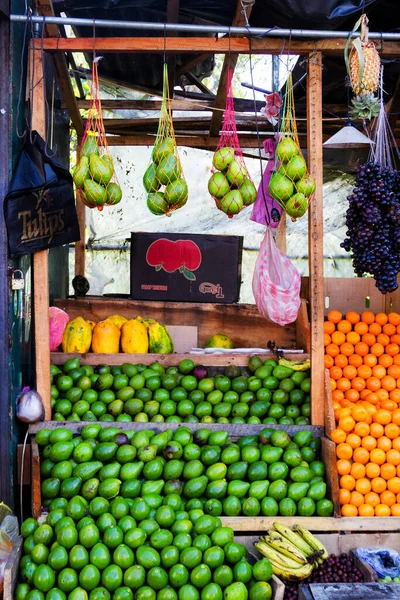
[186, 267]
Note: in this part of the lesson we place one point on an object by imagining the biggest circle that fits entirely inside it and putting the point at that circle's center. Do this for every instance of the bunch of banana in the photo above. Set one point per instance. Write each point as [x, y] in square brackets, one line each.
[296, 365]
[292, 554]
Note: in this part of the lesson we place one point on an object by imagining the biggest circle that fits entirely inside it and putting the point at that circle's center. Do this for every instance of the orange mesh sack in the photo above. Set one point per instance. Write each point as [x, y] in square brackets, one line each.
[163, 180]
[230, 183]
[94, 175]
[290, 184]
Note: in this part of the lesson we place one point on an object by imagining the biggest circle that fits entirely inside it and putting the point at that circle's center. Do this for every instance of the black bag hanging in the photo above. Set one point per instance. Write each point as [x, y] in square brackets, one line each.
[40, 208]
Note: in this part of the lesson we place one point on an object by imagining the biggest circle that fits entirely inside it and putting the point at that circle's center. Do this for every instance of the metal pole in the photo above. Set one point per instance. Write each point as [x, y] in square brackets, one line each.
[196, 29]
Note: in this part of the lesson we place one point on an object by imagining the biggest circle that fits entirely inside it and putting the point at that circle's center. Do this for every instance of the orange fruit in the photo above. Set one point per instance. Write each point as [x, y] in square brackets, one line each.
[362, 429]
[347, 423]
[378, 485]
[353, 440]
[395, 338]
[347, 482]
[382, 510]
[388, 498]
[377, 349]
[332, 383]
[366, 510]
[392, 431]
[348, 510]
[385, 361]
[388, 471]
[388, 383]
[356, 499]
[352, 395]
[361, 328]
[353, 317]
[357, 471]
[394, 371]
[372, 470]
[394, 485]
[377, 456]
[332, 350]
[329, 327]
[335, 373]
[337, 396]
[370, 360]
[359, 413]
[368, 339]
[376, 430]
[364, 371]
[338, 436]
[389, 329]
[383, 417]
[382, 395]
[383, 339]
[338, 338]
[328, 361]
[361, 455]
[396, 444]
[346, 348]
[361, 348]
[343, 450]
[395, 510]
[368, 442]
[368, 317]
[343, 466]
[355, 360]
[373, 383]
[353, 337]
[393, 457]
[381, 318]
[375, 329]
[388, 405]
[363, 485]
[384, 443]
[343, 384]
[378, 371]
[341, 361]
[327, 339]
[371, 397]
[344, 326]
[358, 383]
[396, 416]
[334, 316]
[372, 499]
[349, 372]
[344, 496]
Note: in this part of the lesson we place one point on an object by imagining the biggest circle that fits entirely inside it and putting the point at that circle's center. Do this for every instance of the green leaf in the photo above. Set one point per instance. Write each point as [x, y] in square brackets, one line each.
[188, 274]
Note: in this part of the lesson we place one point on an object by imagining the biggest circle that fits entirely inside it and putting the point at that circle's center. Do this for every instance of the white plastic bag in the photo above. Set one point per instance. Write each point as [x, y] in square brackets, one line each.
[276, 283]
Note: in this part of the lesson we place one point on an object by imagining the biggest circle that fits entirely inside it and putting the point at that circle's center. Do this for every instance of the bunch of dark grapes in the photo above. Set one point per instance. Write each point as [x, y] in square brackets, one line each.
[336, 569]
[373, 225]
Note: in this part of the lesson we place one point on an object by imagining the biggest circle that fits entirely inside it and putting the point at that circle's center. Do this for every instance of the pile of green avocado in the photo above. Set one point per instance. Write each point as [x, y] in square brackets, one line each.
[264, 393]
[99, 551]
[266, 474]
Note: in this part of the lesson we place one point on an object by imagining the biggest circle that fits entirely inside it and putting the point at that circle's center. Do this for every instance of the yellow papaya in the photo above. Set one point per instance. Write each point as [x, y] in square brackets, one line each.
[91, 323]
[118, 320]
[134, 338]
[160, 341]
[77, 336]
[106, 336]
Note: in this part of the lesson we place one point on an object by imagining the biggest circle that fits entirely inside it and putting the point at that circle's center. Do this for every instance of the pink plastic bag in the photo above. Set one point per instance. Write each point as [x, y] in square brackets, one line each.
[276, 283]
[266, 210]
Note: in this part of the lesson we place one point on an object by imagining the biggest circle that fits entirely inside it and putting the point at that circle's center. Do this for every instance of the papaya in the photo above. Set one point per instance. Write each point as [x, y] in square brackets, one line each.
[114, 194]
[95, 193]
[105, 338]
[100, 171]
[89, 146]
[91, 323]
[81, 172]
[134, 337]
[160, 341]
[77, 336]
[118, 320]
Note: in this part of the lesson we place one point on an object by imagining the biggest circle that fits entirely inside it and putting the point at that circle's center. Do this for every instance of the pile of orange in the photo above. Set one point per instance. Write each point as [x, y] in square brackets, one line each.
[362, 353]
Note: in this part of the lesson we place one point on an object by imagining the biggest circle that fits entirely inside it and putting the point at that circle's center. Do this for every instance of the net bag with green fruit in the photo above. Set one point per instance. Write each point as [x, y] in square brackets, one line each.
[163, 180]
[290, 184]
[230, 184]
[94, 175]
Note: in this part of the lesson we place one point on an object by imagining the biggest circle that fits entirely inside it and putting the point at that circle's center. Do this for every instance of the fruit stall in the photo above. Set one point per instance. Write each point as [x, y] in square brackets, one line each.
[190, 450]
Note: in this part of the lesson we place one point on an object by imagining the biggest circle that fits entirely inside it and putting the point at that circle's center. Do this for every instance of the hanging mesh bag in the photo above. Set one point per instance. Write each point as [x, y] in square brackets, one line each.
[163, 180]
[290, 184]
[230, 183]
[94, 175]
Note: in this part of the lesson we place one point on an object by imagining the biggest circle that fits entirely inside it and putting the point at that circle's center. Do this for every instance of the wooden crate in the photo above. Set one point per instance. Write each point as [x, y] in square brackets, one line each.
[349, 591]
[242, 524]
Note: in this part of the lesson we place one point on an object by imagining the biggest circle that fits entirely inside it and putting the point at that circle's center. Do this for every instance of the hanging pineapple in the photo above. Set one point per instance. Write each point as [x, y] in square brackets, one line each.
[363, 67]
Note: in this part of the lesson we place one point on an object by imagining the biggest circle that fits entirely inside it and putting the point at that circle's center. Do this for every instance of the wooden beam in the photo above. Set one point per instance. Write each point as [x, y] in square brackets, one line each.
[315, 236]
[230, 61]
[40, 259]
[192, 45]
[45, 8]
[201, 141]
[192, 63]
[184, 104]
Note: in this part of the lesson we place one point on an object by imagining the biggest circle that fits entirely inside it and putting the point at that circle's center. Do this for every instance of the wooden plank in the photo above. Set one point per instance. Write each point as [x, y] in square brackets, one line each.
[303, 328]
[27, 464]
[351, 591]
[330, 423]
[40, 259]
[209, 45]
[11, 569]
[80, 247]
[190, 141]
[329, 524]
[35, 489]
[316, 235]
[369, 573]
[328, 456]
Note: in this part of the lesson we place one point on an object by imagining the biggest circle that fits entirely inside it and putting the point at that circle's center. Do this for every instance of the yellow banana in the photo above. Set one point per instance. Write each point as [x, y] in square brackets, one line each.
[296, 365]
[312, 541]
[278, 558]
[286, 548]
[292, 574]
[295, 538]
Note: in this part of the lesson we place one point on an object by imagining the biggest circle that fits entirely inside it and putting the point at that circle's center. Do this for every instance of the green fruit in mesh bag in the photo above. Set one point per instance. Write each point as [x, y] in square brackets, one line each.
[296, 168]
[286, 149]
[163, 149]
[107, 159]
[114, 193]
[168, 169]
[222, 158]
[157, 204]
[81, 172]
[176, 193]
[100, 171]
[150, 181]
[89, 146]
[236, 173]
[94, 192]
[296, 206]
[305, 186]
[248, 191]
[232, 203]
[218, 185]
[280, 187]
